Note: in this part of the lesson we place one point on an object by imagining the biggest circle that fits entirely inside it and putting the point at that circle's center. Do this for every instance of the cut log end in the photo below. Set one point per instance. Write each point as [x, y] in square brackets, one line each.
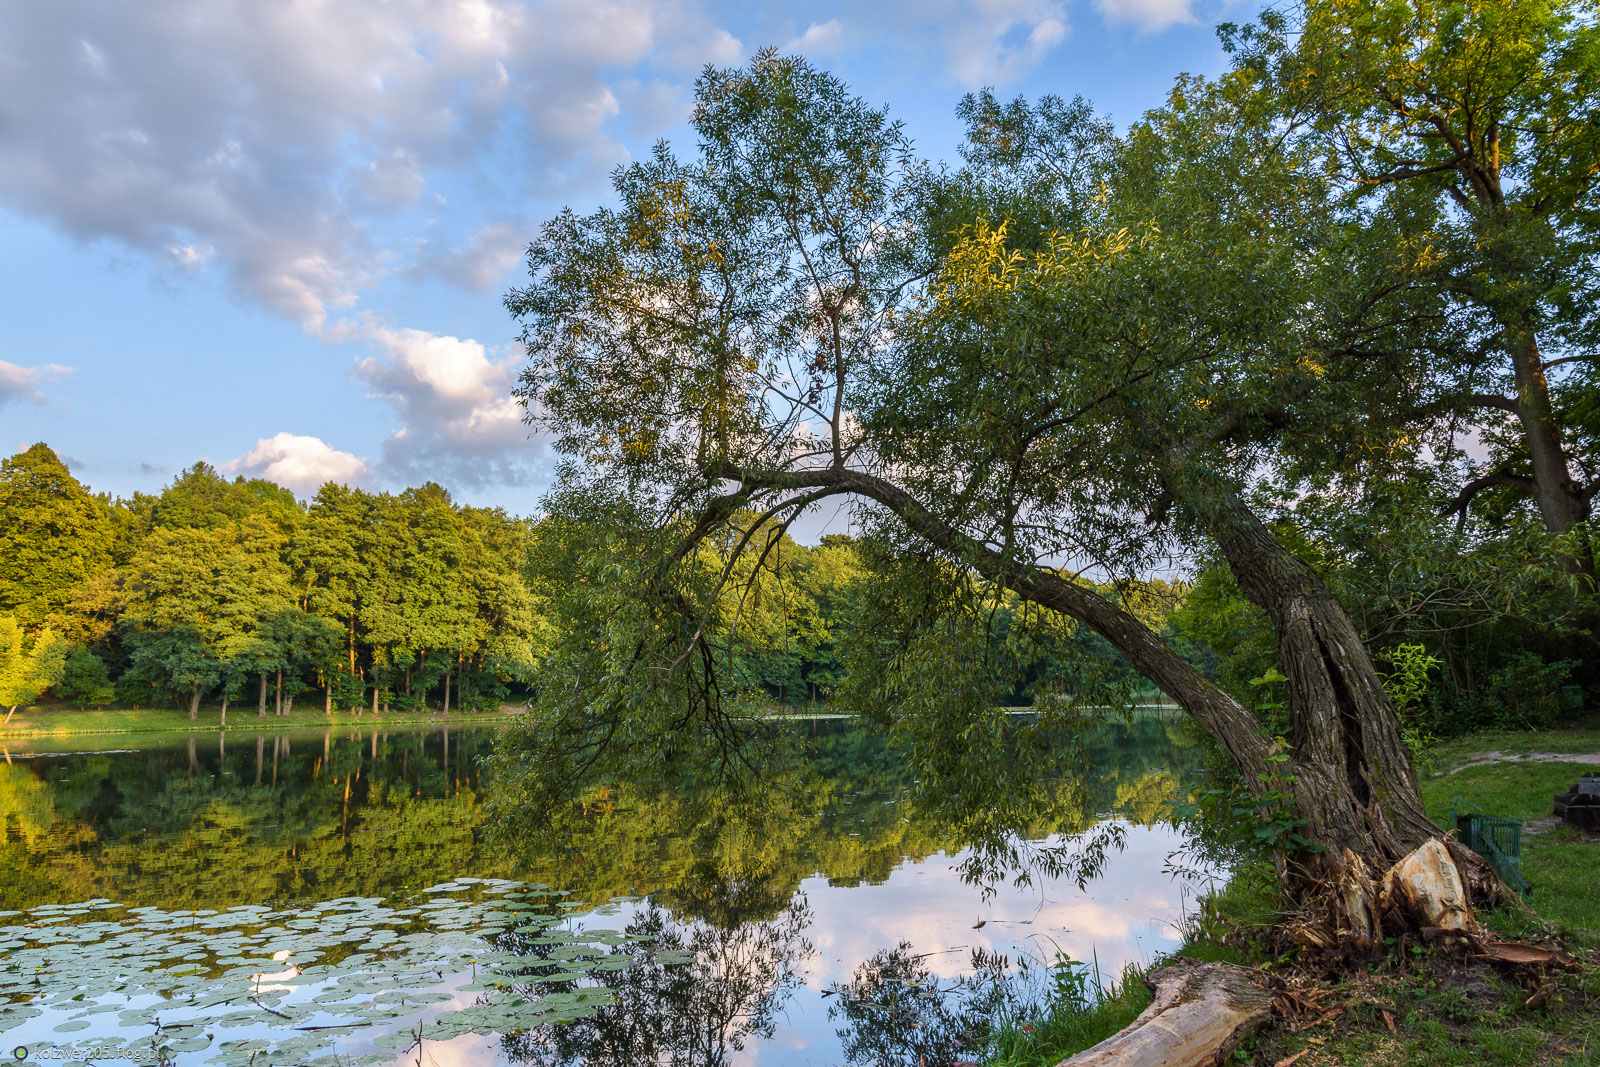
[1200, 1014]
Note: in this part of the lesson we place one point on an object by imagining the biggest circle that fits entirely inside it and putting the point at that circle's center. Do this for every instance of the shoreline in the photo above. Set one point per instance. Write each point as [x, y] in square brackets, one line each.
[47, 724]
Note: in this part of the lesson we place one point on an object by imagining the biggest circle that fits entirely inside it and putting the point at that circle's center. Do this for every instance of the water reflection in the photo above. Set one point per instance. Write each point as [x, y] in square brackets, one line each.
[895, 1012]
[694, 994]
[805, 933]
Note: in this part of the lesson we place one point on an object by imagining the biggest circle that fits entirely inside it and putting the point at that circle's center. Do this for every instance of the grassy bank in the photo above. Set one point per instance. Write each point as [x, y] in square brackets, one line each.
[1421, 1006]
[47, 721]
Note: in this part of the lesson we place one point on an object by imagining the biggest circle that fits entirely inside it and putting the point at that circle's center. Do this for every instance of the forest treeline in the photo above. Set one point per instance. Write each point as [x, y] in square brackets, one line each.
[235, 591]
[221, 593]
[224, 592]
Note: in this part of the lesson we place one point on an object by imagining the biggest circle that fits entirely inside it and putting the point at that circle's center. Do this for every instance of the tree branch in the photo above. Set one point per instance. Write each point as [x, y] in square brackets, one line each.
[1491, 400]
[1228, 721]
[1458, 506]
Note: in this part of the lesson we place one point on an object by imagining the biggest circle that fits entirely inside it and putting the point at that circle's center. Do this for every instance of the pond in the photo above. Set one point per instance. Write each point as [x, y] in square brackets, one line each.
[334, 897]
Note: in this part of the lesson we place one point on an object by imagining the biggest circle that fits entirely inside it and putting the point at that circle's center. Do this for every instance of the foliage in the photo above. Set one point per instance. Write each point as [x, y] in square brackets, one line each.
[214, 585]
[53, 534]
[1524, 693]
[27, 668]
[1407, 684]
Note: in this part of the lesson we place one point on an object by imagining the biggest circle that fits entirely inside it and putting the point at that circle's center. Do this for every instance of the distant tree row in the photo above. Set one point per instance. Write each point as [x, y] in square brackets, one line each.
[235, 591]
[229, 592]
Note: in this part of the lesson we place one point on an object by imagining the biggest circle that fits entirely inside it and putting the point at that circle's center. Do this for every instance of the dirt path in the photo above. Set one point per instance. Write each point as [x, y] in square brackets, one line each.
[1496, 756]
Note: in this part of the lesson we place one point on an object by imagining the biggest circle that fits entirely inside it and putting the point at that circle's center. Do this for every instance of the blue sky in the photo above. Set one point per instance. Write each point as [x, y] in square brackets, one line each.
[276, 236]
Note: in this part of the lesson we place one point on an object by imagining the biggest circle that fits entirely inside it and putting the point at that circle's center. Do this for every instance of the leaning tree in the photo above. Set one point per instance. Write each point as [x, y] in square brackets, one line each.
[1481, 116]
[1076, 356]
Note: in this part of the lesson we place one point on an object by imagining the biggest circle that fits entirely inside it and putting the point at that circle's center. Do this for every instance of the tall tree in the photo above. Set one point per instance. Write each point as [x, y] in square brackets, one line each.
[1480, 114]
[53, 534]
[787, 318]
[198, 600]
[332, 562]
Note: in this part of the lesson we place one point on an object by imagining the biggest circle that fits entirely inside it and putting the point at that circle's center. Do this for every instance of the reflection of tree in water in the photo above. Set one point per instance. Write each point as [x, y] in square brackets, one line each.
[895, 1013]
[348, 813]
[693, 994]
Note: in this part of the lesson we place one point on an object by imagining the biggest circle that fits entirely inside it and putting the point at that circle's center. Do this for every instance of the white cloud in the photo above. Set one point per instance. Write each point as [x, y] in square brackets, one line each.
[482, 260]
[651, 107]
[280, 143]
[820, 38]
[993, 42]
[460, 424]
[1151, 16]
[24, 383]
[300, 462]
[688, 40]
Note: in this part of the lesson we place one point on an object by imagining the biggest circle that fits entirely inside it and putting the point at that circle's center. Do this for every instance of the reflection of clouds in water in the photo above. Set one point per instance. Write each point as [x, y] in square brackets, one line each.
[468, 1050]
[1123, 916]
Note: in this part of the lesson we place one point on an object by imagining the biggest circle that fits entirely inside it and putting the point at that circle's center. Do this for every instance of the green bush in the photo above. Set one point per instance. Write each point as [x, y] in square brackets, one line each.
[1523, 693]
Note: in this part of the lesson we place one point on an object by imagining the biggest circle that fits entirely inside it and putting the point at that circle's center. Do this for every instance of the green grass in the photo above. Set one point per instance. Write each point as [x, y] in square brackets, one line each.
[1448, 755]
[64, 721]
[1082, 1014]
[1445, 1011]
[1562, 864]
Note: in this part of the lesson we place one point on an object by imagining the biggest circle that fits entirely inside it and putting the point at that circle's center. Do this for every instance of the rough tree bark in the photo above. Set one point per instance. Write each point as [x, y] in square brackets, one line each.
[1351, 772]
[1200, 1014]
[194, 704]
[261, 705]
[1562, 503]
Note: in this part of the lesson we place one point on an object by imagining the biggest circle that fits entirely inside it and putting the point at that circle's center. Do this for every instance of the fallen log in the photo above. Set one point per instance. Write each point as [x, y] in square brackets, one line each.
[1201, 1013]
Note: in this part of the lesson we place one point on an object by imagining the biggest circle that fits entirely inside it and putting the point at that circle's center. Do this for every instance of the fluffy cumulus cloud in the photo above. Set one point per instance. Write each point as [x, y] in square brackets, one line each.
[281, 142]
[995, 42]
[460, 425]
[1151, 16]
[820, 39]
[301, 462]
[26, 383]
[480, 262]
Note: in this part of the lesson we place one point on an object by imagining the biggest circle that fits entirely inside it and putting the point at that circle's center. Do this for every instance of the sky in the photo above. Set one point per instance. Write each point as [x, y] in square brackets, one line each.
[277, 236]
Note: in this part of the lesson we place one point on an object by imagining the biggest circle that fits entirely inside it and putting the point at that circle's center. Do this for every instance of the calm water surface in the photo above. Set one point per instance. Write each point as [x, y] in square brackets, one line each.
[281, 898]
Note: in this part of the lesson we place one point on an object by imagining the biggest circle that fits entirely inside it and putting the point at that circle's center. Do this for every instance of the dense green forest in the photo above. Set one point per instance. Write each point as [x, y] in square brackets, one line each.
[226, 592]
[219, 592]
[235, 591]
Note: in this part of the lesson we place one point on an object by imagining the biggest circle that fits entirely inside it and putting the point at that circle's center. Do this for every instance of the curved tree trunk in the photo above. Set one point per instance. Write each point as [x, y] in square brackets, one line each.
[1352, 777]
[194, 704]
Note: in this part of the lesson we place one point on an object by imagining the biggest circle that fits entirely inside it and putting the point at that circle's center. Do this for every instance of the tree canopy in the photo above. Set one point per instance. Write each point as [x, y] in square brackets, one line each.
[1080, 360]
